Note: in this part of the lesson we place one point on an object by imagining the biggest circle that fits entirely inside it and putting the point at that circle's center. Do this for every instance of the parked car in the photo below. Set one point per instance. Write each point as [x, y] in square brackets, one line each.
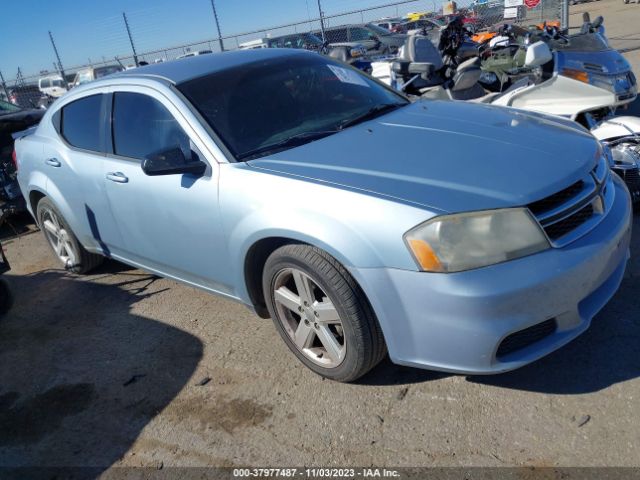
[12, 119]
[306, 41]
[90, 74]
[359, 221]
[52, 86]
[351, 53]
[376, 40]
[429, 26]
[387, 23]
[194, 54]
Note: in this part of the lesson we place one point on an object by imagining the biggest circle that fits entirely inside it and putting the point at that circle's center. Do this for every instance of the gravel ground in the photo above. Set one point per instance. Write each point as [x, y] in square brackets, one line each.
[121, 368]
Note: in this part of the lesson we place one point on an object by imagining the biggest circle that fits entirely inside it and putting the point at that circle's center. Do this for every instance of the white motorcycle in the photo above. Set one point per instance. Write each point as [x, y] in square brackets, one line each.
[583, 79]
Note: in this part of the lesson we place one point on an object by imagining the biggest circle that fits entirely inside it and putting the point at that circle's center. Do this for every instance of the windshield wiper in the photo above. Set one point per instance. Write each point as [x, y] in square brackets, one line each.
[369, 114]
[289, 142]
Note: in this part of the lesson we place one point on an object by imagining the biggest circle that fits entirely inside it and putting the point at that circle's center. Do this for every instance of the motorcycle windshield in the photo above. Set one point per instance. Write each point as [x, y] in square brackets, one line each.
[583, 42]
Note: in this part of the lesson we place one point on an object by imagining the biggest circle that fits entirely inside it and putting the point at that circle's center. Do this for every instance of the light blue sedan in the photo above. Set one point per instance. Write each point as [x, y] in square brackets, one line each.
[457, 237]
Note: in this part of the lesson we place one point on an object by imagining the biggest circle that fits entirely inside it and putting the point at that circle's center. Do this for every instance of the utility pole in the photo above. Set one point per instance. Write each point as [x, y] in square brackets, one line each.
[324, 37]
[4, 86]
[133, 47]
[564, 15]
[60, 69]
[215, 16]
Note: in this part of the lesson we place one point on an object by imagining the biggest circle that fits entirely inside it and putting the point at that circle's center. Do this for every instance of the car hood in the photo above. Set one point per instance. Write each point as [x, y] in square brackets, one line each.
[449, 156]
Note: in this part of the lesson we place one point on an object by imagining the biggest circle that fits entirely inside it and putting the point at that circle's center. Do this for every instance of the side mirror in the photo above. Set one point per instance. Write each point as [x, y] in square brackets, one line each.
[537, 55]
[171, 162]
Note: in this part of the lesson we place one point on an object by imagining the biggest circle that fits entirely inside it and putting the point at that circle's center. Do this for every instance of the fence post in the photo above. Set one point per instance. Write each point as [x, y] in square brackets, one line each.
[60, 69]
[133, 47]
[564, 14]
[324, 37]
[215, 16]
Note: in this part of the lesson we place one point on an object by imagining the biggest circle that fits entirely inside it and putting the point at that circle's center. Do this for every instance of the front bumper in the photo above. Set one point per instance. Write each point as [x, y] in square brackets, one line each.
[456, 322]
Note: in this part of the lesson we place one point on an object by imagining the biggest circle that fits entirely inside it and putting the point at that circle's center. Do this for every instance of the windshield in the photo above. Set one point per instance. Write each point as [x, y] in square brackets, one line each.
[582, 42]
[261, 104]
[6, 108]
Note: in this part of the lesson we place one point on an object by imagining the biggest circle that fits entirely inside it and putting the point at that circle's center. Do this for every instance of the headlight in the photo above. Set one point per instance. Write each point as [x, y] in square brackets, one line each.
[606, 153]
[626, 155]
[453, 243]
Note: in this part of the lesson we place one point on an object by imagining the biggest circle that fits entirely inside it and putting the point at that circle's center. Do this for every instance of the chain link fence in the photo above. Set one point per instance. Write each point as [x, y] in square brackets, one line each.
[363, 27]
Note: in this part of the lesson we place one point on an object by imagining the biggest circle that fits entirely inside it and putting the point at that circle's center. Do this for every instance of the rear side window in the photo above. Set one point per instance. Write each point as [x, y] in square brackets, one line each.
[80, 123]
[142, 126]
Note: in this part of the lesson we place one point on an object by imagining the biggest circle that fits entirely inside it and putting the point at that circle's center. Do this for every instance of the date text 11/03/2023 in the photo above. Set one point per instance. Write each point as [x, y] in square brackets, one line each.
[316, 472]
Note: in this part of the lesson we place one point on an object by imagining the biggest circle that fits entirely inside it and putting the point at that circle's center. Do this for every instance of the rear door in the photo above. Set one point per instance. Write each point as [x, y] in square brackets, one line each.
[169, 224]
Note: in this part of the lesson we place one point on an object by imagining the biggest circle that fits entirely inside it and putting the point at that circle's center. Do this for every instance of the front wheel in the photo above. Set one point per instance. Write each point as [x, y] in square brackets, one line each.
[73, 256]
[321, 313]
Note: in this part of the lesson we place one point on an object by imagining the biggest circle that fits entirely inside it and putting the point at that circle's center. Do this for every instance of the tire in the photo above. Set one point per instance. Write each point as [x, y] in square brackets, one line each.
[342, 350]
[73, 256]
[6, 297]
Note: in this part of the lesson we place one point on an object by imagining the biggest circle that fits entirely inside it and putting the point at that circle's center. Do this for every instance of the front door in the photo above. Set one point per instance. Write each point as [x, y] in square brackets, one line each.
[169, 224]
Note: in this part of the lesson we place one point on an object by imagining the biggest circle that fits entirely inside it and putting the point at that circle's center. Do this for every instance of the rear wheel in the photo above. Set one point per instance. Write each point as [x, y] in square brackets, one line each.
[73, 256]
[321, 313]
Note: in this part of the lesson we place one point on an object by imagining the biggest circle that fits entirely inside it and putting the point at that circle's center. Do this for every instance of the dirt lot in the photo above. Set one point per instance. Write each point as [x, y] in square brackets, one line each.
[105, 370]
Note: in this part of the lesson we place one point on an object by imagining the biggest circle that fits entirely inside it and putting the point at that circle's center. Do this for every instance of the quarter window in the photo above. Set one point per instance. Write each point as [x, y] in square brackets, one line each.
[80, 123]
[142, 126]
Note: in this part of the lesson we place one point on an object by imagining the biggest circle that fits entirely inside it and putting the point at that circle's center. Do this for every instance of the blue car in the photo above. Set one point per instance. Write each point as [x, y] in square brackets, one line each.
[455, 237]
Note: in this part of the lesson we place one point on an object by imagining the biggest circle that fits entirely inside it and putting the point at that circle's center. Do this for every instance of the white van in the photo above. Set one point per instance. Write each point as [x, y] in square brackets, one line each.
[52, 85]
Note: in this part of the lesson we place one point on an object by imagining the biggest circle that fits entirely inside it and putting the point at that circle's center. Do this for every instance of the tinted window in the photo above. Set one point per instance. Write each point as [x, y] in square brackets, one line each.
[258, 105]
[45, 83]
[80, 123]
[142, 126]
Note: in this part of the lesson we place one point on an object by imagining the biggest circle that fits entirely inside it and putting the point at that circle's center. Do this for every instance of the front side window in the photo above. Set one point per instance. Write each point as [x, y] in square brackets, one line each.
[258, 108]
[143, 126]
[45, 83]
[80, 123]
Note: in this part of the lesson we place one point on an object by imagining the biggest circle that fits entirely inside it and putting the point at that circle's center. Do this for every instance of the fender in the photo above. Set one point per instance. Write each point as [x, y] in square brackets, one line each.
[617, 127]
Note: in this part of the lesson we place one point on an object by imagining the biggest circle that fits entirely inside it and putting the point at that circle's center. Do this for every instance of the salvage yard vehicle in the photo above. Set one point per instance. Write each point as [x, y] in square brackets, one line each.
[237, 173]
[13, 119]
[90, 74]
[52, 86]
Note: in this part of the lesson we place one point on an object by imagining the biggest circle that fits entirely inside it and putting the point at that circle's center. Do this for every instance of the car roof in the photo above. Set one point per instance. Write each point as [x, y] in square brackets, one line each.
[185, 69]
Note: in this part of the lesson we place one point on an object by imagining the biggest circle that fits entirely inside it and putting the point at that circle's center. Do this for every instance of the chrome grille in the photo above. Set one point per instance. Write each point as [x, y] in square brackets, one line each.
[572, 212]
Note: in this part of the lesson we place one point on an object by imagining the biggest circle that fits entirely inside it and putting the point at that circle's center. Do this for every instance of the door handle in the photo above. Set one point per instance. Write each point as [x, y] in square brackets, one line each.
[54, 162]
[117, 177]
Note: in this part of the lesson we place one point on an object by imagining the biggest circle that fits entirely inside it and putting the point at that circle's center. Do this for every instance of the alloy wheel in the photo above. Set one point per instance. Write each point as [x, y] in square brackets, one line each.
[309, 317]
[59, 238]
